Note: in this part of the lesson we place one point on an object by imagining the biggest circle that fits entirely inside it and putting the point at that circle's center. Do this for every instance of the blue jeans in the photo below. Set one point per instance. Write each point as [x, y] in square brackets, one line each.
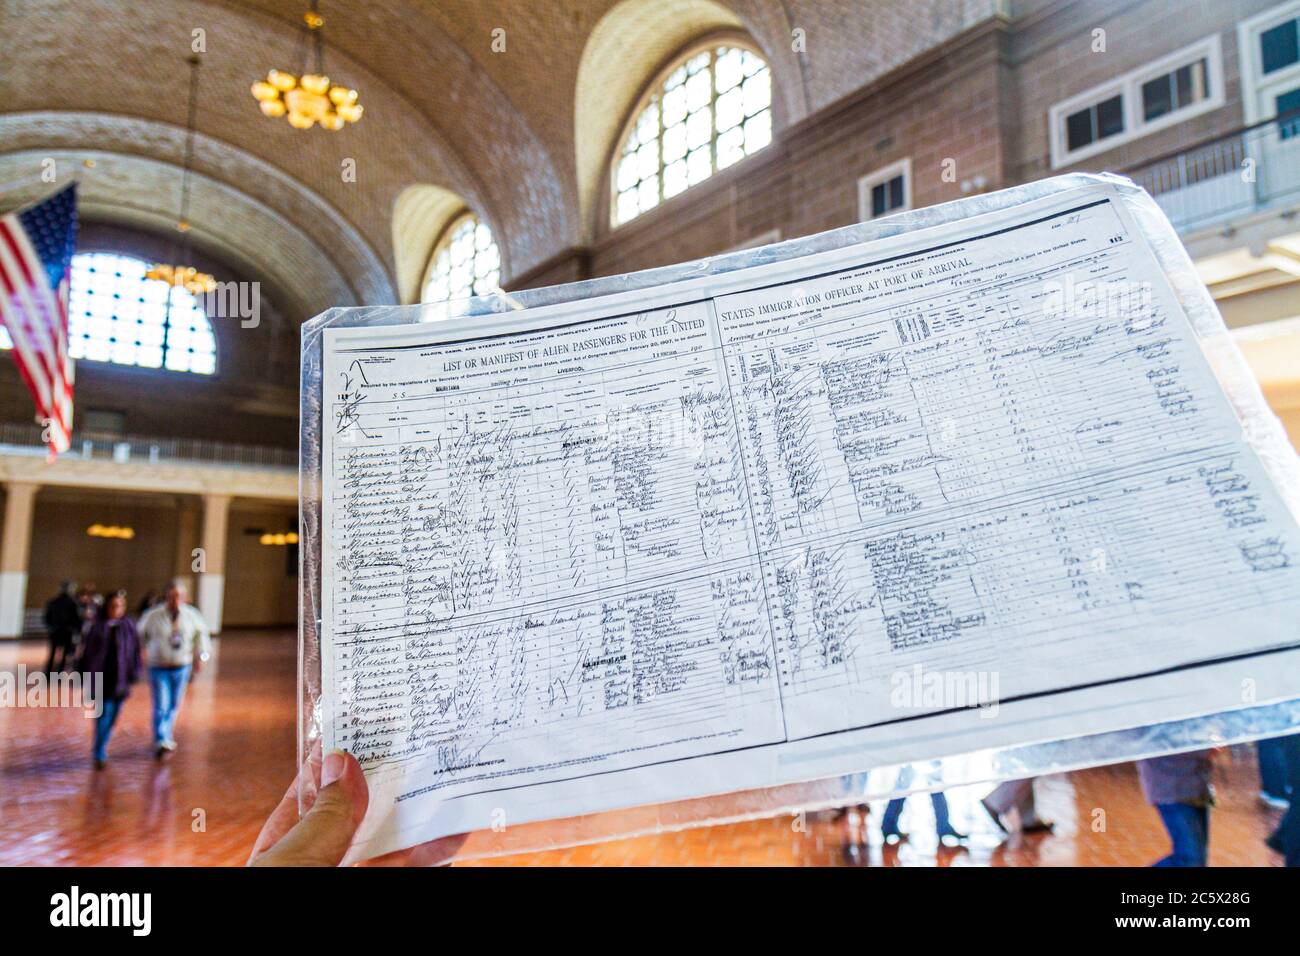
[1189, 831]
[168, 687]
[1289, 829]
[104, 725]
[1272, 767]
[889, 823]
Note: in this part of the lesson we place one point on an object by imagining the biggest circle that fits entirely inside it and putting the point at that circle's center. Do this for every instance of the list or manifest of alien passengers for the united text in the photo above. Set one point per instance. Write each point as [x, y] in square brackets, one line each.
[683, 541]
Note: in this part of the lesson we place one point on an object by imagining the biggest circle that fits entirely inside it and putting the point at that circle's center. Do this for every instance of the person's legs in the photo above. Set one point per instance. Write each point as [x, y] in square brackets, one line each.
[1027, 808]
[1288, 834]
[177, 679]
[889, 822]
[160, 691]
[1188, 829]
[1203, 834]
[1288, 831]
[104, 727]
[942, 825]
[60, 650]
[1007, 795]
[1016, 795]
[940, 804]
[1272, 768]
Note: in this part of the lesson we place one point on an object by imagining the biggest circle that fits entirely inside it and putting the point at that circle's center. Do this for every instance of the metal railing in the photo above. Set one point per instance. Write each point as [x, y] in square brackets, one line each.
[135, 449]
[1249, 170]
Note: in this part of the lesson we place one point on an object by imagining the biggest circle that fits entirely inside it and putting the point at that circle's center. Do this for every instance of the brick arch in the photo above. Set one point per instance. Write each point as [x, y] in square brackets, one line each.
[625, 49]
[421, 215]
[428, 107]
[243, 209]
[443, 108]
[633, 42]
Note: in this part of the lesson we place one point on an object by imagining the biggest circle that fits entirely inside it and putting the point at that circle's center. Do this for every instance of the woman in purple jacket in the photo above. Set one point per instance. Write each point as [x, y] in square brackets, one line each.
[110, 647]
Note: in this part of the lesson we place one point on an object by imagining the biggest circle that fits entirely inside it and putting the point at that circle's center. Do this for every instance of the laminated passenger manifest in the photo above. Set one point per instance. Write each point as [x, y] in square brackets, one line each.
[721, 534]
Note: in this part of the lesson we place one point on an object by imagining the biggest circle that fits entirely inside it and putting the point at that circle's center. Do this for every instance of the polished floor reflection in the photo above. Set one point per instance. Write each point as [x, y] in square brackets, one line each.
[205, 804]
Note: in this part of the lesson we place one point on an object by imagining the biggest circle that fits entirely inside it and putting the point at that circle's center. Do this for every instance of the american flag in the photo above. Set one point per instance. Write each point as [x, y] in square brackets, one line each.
[36, 246]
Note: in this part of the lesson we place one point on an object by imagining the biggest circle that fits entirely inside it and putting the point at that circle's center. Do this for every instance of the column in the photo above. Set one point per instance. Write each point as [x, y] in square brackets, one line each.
[212, 580]
[187, 539]
[15, 548]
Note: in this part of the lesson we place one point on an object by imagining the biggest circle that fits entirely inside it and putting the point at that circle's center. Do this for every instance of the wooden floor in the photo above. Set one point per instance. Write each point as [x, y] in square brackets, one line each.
[236, 733]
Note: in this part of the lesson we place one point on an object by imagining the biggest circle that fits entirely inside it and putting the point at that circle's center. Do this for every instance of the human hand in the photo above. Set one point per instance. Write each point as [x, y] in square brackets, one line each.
[323, 835]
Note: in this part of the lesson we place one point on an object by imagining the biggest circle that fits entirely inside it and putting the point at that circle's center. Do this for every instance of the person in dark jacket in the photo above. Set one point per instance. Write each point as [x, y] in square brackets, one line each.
[111, 647]
[63, 624]
[1179, 787]
[1286, 838]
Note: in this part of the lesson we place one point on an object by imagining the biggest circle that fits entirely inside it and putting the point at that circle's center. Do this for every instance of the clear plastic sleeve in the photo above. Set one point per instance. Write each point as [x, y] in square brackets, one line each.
[1262, 429]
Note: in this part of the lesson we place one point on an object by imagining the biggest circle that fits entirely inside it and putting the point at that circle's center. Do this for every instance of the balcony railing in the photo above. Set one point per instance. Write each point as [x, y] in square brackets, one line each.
[1250, 170]
[26, 439]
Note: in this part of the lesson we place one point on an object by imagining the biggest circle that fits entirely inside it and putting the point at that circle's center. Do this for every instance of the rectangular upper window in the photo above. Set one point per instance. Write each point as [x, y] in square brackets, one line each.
[1279, 46]
[1288, 109]
[1094, 123]
[1175, 90]
[1170, 90]
[1268, 46]
[886, 190]
[887, 196]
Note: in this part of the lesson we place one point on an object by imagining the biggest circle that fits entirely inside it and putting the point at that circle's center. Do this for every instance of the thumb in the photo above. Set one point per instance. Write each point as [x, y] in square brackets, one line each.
[323, 835]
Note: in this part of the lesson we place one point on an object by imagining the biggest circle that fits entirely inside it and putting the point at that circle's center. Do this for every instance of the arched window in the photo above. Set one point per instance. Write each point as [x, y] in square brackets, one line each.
[711, 108]
[117, 315]
[465, 262]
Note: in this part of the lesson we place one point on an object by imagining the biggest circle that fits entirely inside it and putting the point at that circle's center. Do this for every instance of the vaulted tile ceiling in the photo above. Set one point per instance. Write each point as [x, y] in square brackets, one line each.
[521, 136]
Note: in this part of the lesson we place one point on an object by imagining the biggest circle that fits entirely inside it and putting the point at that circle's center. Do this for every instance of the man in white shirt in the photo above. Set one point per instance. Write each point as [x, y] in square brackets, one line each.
[175, 638]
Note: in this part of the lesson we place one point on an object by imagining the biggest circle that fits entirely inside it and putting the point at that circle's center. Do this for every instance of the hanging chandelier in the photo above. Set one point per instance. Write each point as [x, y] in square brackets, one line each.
[308, 99]
[186, 277]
